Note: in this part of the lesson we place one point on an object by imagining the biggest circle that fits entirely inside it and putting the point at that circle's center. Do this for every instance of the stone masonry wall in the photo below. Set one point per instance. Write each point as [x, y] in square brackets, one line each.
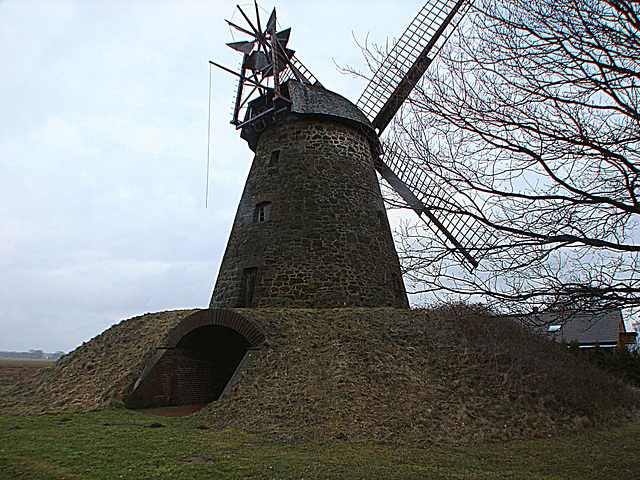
[327, 241]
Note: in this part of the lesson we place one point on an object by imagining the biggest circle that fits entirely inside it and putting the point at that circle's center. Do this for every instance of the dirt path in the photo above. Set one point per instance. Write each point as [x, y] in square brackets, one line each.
[179, 411]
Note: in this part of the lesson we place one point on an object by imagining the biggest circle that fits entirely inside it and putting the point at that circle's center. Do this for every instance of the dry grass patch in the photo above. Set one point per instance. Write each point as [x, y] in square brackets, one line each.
[449, 376]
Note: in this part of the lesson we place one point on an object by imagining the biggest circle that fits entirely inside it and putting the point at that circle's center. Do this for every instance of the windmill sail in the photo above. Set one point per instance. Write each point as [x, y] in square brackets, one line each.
[409, 59]
[390, 86]
[444, 213]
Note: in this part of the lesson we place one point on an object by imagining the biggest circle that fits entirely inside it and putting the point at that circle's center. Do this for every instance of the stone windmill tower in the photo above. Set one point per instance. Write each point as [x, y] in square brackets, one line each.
[311, 229]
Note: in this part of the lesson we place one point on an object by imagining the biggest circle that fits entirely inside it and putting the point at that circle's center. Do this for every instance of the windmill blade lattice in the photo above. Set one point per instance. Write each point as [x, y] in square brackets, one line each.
[288, 73]
[409, 59]
[390, 86]
[444, 214]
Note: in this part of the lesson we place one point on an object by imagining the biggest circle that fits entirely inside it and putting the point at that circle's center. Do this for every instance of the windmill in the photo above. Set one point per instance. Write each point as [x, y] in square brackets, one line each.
[311, 229]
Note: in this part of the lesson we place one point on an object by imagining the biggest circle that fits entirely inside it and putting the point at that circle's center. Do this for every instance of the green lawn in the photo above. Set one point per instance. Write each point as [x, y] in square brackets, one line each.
[123, 444]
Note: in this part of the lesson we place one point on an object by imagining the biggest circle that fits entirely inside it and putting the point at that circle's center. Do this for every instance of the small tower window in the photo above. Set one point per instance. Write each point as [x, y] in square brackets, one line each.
[382, 220]
[263, 212]
[274, 158]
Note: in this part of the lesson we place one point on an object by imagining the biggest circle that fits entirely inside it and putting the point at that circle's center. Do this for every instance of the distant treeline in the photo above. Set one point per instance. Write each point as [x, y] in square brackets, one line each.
[33, 354]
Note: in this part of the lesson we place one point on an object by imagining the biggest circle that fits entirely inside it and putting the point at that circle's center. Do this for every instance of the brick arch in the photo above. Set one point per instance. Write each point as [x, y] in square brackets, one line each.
[237, 322]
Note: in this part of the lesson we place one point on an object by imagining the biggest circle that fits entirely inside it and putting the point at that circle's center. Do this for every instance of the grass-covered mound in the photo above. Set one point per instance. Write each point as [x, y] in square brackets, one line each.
[382, 375]
[419, 377]
[98, 373]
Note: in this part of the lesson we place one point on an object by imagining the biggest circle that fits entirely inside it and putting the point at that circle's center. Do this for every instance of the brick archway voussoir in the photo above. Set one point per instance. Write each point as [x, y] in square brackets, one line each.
[251, 332]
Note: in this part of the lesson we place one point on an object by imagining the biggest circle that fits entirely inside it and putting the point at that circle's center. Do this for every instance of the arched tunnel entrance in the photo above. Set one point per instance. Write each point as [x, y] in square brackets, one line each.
[202, 356]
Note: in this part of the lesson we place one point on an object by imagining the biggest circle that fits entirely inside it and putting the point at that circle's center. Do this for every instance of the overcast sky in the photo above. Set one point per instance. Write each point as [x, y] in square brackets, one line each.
[103, 151]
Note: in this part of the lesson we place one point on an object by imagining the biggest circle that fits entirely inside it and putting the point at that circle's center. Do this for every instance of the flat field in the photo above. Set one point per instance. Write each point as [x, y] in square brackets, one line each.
[13, 370]
[27, 362]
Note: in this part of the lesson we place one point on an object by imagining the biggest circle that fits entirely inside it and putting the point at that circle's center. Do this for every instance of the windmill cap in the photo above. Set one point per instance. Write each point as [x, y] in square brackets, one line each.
[315, 100]
[307, 100]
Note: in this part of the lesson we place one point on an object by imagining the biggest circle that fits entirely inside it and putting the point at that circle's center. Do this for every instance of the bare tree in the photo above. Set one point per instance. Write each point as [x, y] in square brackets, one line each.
[531, 121]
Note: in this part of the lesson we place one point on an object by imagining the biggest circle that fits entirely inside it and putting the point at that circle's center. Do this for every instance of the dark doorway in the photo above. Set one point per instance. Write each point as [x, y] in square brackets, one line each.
[196, 371]
[220, 347]
[249, 278]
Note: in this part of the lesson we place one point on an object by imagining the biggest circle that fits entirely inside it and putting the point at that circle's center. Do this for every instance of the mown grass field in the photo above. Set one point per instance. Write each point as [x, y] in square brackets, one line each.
[25, 362]
[130, 445]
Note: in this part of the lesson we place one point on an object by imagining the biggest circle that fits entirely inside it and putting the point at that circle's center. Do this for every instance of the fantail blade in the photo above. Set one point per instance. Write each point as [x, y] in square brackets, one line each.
[244, 47]
[283, 37]
[271, 23]
[240, 29]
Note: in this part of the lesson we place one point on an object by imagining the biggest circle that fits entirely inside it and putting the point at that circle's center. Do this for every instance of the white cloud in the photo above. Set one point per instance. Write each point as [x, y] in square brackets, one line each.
[58, 134]
[124, 192]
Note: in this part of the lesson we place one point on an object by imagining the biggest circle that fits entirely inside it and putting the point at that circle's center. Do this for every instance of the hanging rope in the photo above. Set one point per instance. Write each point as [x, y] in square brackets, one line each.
[206, 200]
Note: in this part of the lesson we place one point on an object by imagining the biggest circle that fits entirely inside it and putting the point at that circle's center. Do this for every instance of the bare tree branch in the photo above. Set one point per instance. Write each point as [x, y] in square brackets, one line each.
[531, 121]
